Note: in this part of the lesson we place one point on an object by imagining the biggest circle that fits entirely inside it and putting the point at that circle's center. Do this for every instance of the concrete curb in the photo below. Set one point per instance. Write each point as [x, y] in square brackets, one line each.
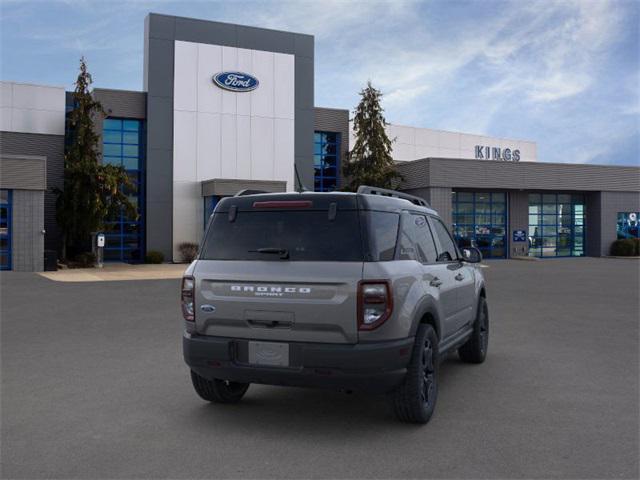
[525, 259]
[119, 272]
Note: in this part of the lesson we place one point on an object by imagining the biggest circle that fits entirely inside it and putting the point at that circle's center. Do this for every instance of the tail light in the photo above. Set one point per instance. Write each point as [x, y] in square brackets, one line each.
[186, 298]
[375, 303]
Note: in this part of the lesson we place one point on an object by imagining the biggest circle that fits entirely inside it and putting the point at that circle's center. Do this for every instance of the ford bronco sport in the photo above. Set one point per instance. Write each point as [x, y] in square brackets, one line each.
[353, 291]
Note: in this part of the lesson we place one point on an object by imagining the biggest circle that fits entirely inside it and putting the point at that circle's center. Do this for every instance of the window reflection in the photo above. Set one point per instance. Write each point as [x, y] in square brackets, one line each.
[326, 161]
[556, 225]
[479, 219]
[123, 146]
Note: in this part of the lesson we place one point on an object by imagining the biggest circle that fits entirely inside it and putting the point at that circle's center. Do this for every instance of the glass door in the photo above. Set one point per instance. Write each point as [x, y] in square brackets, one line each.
[556, 225]
[5, 229]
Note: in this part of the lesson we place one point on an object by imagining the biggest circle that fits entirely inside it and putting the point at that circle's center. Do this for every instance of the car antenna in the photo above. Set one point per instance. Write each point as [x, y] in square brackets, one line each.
[301, 187]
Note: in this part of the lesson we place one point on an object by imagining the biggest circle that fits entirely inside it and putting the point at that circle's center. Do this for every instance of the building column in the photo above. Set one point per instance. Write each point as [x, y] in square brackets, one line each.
[518, 219]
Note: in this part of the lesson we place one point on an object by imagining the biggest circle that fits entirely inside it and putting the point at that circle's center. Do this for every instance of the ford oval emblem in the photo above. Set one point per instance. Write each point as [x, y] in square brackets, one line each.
[208, 308]
[236, 81]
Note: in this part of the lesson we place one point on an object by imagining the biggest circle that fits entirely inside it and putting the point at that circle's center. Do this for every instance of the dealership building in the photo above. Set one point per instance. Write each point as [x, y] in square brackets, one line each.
[228, 107]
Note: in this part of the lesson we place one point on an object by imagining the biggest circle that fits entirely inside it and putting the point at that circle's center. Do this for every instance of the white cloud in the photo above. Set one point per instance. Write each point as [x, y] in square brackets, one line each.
[458, 66]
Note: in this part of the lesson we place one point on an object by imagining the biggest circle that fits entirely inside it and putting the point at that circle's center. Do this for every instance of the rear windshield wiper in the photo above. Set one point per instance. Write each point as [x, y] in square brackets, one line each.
[283, 252]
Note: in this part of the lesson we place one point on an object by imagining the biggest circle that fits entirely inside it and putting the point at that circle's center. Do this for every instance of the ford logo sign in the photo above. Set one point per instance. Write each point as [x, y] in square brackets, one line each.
[208, 308]
[236, 81]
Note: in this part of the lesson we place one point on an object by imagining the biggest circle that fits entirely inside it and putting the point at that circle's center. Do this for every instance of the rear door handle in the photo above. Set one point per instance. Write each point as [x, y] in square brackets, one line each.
[459, 277]
[435, 282]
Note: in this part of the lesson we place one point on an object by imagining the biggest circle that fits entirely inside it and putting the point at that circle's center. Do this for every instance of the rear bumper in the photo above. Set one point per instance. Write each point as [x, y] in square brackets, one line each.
[370, 367]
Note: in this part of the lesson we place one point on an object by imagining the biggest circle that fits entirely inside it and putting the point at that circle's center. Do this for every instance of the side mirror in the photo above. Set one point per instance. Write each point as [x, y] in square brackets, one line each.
[471, 255]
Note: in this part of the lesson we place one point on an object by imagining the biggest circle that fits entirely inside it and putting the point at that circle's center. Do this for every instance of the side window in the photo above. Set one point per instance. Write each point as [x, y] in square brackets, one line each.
[416, 242]
[447, 251]
[383, 232]
[407, 242]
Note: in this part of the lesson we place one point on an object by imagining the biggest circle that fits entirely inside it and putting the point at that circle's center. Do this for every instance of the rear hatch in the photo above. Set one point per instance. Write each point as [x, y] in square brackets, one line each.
[281, 267]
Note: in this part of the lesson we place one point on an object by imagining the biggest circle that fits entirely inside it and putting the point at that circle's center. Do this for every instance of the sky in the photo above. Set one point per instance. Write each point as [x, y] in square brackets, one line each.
[565, 74]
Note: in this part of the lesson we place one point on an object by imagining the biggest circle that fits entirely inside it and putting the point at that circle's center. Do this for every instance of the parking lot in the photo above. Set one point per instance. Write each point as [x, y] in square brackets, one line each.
[94, 386]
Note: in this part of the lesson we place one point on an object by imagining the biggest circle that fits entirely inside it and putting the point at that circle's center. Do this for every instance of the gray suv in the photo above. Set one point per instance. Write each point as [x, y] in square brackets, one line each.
[358, 291]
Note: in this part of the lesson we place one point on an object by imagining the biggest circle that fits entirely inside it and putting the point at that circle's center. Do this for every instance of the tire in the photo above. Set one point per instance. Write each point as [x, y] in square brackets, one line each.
[414, 401]
[218, 391]
[475, 349]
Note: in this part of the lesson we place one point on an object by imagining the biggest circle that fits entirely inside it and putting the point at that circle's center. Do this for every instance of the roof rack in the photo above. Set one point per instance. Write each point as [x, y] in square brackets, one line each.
[248, 191]
[392, 193]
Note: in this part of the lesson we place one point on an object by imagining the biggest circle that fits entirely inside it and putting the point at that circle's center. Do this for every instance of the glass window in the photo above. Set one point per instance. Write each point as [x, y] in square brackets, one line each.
[559, 231]
[326, 161]
[426, 244]
[447, 251]
[122, 147]
[416, 240]
[112, 124]
[499, 197]
[498, 208]
[382, 233]
[484, 213]
[407, 244]
[112, 149]
[131, 125]
[131, 138]
[130, 150]
[463, 219]
[112, 160]
[112, 137]
[305, 235]
[483, 198]
[329, 149]
[464, 208]
[331, 137]
[483, 219]
[5, 229]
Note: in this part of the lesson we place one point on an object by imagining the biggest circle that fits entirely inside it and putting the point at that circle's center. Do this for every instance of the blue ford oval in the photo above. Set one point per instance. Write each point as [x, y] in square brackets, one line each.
[236, 81]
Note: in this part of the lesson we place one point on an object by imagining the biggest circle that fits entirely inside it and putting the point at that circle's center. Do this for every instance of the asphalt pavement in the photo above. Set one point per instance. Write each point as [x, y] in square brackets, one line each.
[94, 386]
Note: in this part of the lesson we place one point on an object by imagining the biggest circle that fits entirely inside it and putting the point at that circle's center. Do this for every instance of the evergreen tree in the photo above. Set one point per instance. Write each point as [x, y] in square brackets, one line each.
[92, 191]
[370, 161]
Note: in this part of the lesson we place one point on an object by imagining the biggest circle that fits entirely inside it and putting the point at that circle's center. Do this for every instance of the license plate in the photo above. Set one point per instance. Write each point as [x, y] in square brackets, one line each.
[269, 353]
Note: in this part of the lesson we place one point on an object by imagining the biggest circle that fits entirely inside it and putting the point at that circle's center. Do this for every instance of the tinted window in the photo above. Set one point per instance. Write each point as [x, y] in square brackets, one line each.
[448, 249]
[416, 242]
[305, 235]
[382, 232]
[426, 245]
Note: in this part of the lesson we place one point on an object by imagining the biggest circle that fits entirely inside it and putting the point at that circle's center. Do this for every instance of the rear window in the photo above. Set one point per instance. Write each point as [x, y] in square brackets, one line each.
[305, 236]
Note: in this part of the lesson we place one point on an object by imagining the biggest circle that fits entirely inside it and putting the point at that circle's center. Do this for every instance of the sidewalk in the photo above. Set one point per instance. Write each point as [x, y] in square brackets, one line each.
[117, 272]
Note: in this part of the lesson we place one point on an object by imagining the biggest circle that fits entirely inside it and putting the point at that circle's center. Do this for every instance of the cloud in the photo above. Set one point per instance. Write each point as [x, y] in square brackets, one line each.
[555, 72]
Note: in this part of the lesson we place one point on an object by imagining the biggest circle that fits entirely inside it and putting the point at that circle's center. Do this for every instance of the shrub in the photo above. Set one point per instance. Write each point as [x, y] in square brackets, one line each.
[85, 260]
[627, 247]
[188, 251]
[153, 256]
